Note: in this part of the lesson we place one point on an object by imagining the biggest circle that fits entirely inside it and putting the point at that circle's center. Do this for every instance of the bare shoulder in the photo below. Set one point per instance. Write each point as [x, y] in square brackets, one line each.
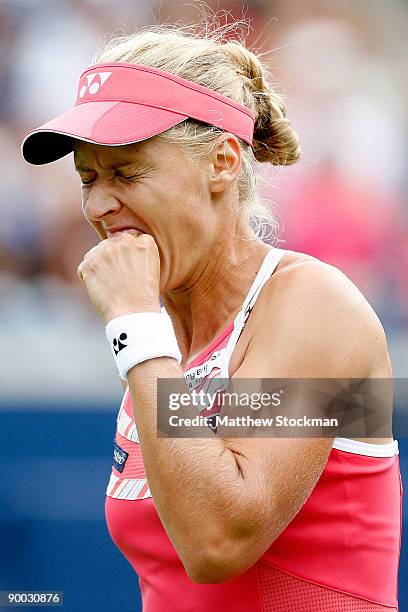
[311, 320]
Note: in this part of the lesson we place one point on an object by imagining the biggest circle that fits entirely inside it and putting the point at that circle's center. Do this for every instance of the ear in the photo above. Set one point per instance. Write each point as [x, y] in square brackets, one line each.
[225, 162]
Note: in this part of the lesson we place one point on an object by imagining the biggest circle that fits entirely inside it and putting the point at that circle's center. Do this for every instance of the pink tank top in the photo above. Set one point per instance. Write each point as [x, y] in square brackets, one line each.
[339, 554]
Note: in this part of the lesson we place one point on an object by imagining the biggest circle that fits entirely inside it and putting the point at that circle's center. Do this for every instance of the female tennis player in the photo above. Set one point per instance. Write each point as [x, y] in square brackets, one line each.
[166, 133]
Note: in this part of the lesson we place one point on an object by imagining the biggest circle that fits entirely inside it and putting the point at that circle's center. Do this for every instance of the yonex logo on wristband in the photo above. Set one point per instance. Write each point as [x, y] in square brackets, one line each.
[145, 335]
[118, 343]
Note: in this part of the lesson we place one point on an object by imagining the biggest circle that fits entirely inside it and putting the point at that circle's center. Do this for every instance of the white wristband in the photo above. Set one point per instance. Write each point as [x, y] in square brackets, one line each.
[140, 336]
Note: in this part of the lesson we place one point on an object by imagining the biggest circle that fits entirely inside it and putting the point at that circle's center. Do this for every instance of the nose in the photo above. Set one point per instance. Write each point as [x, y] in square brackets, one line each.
[99, 201]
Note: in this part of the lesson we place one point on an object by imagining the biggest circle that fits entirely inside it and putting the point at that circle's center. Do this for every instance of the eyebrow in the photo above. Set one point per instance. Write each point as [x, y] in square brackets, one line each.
[112, 166]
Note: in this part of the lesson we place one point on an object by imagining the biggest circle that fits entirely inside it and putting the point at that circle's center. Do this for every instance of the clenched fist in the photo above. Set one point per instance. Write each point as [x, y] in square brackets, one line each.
[122, 275]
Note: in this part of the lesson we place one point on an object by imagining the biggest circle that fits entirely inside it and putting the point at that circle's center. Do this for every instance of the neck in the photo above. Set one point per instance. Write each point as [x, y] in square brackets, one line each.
[201, 308]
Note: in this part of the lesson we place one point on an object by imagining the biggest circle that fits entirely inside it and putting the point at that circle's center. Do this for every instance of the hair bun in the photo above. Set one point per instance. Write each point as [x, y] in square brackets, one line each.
[275, 141]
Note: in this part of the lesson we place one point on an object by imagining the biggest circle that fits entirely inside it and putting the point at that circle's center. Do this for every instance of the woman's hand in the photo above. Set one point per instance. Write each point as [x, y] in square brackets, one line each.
[122, 275]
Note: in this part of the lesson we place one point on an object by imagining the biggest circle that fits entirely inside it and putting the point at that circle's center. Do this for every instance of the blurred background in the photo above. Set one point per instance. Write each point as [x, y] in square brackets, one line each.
[342, 66]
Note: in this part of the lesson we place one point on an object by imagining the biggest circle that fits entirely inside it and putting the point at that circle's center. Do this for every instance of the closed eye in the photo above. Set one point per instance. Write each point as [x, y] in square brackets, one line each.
[128, 178]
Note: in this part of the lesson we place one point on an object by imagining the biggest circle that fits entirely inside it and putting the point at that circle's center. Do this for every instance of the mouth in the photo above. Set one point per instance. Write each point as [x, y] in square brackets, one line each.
[131, 230]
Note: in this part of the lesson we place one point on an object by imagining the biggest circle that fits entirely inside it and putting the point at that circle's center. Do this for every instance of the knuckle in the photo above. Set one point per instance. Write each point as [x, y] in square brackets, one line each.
[117, 241]
[92, 262]
[145, 240]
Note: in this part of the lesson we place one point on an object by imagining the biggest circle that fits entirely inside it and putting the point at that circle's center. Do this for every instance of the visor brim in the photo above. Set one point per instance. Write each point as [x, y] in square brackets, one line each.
[108, 123]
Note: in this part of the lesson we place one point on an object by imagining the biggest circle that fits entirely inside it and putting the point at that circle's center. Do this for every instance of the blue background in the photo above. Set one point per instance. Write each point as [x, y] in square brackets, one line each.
[54, 468]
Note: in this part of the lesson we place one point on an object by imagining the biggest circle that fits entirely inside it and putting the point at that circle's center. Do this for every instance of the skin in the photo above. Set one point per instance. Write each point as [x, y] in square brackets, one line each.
[190, 256]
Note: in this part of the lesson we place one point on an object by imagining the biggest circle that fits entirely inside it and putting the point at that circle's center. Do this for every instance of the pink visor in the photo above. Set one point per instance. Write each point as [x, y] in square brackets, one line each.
[120, 103]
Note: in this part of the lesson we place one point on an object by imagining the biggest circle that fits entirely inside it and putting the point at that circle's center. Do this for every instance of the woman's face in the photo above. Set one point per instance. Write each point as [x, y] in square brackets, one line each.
[152, 186]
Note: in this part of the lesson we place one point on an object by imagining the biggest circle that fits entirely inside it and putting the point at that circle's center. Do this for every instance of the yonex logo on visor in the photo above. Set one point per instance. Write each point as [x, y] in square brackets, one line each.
[94, 83]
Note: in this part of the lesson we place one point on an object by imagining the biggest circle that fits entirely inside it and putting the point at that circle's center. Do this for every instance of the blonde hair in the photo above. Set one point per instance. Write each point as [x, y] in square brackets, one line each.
[228, 67]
